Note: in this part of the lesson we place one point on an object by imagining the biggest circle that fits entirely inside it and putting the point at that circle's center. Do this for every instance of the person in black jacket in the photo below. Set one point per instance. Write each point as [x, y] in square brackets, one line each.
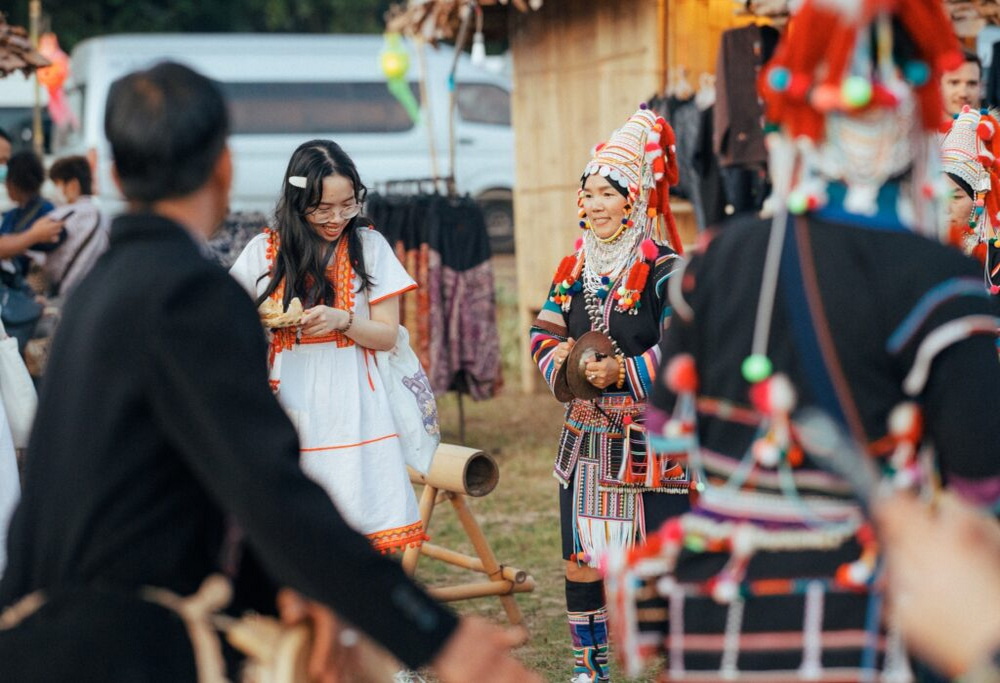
[160, 456]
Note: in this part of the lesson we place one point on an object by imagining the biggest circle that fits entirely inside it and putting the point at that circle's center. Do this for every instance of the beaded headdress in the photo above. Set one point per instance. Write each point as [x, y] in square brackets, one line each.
[854, 86]
[969, 153]
[640, 157]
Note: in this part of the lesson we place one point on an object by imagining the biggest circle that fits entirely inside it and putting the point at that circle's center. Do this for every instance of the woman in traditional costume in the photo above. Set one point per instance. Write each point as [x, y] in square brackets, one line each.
[348, 280]
[809, 359]
[612, 289]
[969, 161]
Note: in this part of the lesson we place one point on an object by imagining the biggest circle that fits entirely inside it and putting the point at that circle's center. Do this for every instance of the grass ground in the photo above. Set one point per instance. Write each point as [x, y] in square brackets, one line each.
[520, 518]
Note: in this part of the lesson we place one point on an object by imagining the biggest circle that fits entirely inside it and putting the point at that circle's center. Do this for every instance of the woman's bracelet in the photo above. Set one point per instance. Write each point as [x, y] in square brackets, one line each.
[621, 371]
[350, 321]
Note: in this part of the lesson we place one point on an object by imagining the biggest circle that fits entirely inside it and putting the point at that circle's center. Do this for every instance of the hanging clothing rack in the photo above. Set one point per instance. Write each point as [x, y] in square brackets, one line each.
[410, 186]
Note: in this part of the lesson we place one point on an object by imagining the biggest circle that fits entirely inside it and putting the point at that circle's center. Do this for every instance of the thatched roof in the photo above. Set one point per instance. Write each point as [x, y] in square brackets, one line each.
[16, 53]
[435, 20]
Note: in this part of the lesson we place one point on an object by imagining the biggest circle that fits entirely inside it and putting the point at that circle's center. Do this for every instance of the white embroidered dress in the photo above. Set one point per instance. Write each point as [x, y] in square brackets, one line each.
[334, 395]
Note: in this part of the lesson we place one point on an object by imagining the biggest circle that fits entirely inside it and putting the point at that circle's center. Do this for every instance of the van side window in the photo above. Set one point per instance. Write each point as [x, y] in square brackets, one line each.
[312, 108]
[483, 103]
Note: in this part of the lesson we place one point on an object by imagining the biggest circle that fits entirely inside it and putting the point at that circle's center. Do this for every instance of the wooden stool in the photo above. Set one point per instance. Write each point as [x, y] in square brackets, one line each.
[458, 472]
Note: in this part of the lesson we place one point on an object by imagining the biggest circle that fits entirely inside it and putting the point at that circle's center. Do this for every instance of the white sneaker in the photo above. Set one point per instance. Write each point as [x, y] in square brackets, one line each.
[407, 676]
[581, 678]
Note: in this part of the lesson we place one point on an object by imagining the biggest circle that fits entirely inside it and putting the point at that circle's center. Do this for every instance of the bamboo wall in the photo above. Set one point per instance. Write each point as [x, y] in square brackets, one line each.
[581, 67]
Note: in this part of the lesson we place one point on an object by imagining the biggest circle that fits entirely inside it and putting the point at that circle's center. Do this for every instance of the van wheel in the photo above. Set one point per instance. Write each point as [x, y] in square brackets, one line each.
[499, 217]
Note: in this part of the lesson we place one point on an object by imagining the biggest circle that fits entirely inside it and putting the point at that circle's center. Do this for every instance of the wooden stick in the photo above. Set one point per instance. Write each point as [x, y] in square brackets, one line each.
[465, 591]
[427, 500]
[485, 553]
[474, 563]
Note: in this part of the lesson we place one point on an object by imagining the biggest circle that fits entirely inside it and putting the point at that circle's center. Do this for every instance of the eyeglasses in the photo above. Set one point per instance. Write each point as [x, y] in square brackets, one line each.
[344, 213]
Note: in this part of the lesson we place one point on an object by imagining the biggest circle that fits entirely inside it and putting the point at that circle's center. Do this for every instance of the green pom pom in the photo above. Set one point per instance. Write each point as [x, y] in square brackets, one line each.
[695, 544]
[856, 92]
[756, 368]
[798, 202]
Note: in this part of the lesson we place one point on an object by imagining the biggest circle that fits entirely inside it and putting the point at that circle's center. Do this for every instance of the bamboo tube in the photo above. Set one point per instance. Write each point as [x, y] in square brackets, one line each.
[461, 470]
[474, 563]
[465, 591]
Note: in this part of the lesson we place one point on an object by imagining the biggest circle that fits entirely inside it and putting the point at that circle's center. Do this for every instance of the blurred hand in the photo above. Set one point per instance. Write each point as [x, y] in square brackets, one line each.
[320, 321]
[603, 373]
[943, 578]
[293, 609]
[46, 229]
[480, 651]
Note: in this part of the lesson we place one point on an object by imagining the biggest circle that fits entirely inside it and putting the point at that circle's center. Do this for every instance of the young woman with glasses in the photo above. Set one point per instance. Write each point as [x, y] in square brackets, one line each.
[348, 280]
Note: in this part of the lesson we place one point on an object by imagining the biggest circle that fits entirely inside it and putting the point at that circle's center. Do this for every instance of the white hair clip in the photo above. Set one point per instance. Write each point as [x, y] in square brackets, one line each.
[297, 181]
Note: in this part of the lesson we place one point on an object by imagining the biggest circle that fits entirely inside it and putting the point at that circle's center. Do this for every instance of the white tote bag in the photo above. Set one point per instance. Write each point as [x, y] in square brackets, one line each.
[17, 391]
[414, 410]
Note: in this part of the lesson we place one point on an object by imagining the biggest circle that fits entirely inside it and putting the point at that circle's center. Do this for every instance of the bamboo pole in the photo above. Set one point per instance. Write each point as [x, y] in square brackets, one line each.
[457, 559]
[490, 563]
[466, 591]
[427, 501]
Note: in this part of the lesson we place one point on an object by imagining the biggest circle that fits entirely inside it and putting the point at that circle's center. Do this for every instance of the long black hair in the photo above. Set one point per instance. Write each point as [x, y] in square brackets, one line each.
[303, 255]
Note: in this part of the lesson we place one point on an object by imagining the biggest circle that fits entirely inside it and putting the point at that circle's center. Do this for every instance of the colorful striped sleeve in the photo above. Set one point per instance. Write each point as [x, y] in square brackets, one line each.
[548, 330]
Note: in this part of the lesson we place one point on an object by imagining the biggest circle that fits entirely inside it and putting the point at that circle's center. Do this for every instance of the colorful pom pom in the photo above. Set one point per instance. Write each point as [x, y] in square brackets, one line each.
[779, 78]
[917, 72]
[756, 367]
[649, 249]
[682, 374]
[856, 92]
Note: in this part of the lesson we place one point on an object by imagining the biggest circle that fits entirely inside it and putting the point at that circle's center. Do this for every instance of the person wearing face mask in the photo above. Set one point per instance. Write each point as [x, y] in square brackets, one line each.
[614, 286]
[86, 226]
[27, 225]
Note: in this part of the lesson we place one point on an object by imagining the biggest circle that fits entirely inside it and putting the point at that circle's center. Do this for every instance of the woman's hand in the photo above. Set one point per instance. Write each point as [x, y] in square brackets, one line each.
[561, 351]
[320, 321]
[603, 373]
[943, 578]
[46, 230]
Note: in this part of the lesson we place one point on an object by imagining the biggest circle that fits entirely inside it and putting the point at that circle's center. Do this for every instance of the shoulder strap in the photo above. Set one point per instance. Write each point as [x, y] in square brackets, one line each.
[72, 262]
[813, 341]
[29, 216]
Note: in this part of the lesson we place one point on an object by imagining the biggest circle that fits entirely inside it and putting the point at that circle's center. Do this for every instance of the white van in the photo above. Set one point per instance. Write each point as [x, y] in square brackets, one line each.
[285, 89]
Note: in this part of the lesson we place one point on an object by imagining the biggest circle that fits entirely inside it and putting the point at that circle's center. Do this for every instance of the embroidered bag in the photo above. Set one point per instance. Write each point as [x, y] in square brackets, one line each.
[414, 410]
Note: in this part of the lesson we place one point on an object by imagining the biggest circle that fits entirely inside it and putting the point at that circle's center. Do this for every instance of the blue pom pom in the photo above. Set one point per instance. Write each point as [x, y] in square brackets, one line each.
[779, 78]
[605, 280]
[602, 294]
[917, 72]
[577, 286]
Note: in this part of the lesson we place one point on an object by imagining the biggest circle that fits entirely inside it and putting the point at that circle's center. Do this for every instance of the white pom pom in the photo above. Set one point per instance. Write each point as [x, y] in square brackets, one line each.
[903, 418]
[653, 137]
[782, 393]
[725, 591]
[766, 453]
[665, 586]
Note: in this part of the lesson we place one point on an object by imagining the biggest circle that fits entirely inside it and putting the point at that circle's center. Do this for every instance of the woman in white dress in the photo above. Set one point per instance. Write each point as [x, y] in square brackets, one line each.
[348, 279]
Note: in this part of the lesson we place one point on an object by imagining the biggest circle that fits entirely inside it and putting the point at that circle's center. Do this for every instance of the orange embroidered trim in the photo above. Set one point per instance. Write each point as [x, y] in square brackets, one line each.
[401, 538]
[389, 296]
[349, 445]
[341, 275]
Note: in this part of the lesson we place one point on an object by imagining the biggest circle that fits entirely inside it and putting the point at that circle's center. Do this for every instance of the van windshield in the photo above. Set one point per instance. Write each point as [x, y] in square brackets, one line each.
[309, 108]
